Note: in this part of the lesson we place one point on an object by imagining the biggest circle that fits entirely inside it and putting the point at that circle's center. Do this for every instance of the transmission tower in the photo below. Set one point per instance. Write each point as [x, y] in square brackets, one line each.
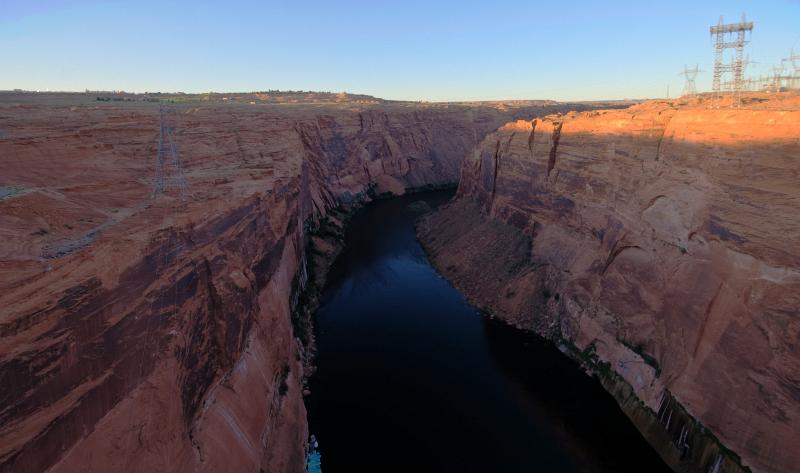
[794, 61]
[776, 79]
[689, 87]
[731, 35]
[747, 84]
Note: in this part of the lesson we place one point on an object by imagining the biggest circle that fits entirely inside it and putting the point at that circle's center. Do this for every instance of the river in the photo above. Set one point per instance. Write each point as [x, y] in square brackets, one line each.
[411, 378]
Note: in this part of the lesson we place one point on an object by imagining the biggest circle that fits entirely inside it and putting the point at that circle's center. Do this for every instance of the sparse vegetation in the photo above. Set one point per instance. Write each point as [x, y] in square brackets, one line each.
[639, 350]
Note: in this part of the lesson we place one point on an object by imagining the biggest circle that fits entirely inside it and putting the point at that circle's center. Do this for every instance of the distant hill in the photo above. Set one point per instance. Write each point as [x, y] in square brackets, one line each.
[274, 96]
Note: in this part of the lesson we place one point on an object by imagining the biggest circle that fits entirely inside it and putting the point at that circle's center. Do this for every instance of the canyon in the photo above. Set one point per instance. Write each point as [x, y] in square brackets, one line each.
[154, 261]
[153, 255]
[406, 369]
[658, 246]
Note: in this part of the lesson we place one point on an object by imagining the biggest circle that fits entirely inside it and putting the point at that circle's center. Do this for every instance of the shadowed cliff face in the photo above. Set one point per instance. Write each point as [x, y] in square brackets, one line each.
[148, 262]
[660, 245]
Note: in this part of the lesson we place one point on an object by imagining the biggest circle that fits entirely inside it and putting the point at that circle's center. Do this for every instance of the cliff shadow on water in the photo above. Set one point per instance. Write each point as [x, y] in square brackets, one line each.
[410, 377]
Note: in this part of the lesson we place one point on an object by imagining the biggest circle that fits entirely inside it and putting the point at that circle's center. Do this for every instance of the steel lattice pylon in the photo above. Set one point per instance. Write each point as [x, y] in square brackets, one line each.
[736, 32]
[776, 78]
[689, 87]
[794, 61]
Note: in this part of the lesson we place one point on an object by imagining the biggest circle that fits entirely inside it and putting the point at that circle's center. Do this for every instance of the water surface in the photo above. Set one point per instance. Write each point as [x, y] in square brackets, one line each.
[411, 378]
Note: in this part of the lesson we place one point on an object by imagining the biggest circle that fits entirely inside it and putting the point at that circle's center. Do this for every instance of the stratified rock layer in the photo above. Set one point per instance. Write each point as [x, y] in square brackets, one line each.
[660, 245]
[150, 258]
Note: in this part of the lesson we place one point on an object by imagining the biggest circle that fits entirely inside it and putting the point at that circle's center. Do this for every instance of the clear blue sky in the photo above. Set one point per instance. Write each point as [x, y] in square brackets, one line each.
[429, 50]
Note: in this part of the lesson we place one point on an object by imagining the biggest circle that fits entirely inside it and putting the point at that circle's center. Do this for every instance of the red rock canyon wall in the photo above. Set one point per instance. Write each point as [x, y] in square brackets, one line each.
[660, 246]
[149, 260]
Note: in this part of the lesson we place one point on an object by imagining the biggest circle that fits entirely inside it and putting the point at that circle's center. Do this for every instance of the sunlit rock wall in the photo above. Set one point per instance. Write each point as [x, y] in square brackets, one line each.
[661, 246]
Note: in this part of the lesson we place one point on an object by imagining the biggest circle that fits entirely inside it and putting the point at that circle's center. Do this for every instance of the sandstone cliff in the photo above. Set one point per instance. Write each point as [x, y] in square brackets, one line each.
[660, 246]
[150, 259]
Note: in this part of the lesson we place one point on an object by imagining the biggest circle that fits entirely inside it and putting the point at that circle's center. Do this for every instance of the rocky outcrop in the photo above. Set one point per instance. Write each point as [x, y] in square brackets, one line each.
[660, 246]
[150, 261]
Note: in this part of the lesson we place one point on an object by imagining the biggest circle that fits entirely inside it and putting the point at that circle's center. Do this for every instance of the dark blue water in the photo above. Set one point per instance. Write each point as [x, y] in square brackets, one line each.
[411, 378]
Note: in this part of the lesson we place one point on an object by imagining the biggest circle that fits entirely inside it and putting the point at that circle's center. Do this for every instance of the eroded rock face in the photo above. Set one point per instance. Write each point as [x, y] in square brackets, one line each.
[149, 262]
[661, 245]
